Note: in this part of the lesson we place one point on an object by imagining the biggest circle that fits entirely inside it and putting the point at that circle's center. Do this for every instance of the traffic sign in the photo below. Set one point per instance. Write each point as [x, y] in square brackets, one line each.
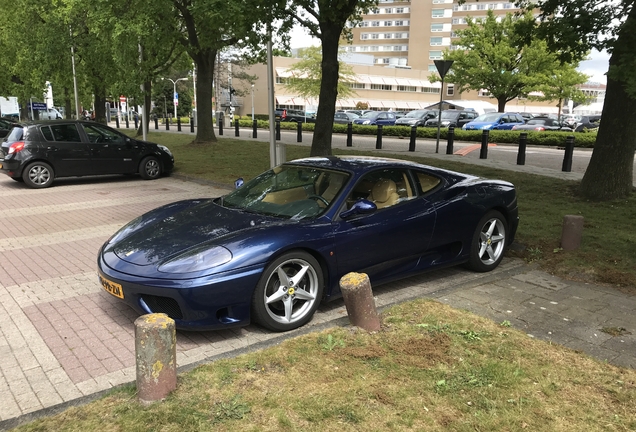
[122, 98]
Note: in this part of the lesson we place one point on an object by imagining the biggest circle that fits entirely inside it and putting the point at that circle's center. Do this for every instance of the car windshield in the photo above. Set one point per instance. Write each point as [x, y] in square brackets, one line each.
[449, 115]
[489, 117]
[288, 191]
[416, 114]
[370, 114]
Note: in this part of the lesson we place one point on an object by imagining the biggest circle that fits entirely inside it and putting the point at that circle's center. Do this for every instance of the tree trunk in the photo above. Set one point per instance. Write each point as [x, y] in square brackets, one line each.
[205, 74]
[501, 104]
[146, 108]
[68, 114]
[610, 172]
[100, 105]
[323, 132]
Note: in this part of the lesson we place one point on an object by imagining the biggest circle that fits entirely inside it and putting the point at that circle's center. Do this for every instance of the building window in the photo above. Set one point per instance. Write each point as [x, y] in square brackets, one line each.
[450, 90]
[388, 10]
[375, 48]
[436, 41]
[430, 89]
[399, 10]
[399, 23]
[483, 93]
[355, 85]
[492, 6]
[435, 55]
[388, 23]
[481, 7]
[388, 35]
[437, 27]
[386, 87]
[364, 24]
[507, 5]
[406, 88]
[364, 36]
[438, 13]
[281, 80]
[431, 68]
[375, 36]
[455, 8]
[375, 23]
[364, 48]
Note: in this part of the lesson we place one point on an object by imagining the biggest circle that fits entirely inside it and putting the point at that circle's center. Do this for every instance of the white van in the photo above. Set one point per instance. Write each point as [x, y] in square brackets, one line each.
[50, 114]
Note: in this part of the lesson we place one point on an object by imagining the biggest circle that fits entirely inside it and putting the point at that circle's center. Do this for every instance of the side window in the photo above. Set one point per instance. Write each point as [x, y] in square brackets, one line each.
[65, 133]
[385, 188]
[381, 116]
[100, 135]
[46, 133]
[426, 182]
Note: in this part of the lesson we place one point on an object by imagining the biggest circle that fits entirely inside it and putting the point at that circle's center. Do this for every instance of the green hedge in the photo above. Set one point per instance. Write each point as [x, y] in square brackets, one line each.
[555, 139]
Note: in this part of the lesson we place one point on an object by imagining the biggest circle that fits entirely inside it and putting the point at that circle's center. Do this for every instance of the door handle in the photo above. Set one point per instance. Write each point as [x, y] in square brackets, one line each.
[52, 148]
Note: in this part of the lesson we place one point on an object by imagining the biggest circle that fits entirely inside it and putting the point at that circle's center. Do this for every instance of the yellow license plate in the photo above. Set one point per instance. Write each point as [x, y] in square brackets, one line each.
[112, 287]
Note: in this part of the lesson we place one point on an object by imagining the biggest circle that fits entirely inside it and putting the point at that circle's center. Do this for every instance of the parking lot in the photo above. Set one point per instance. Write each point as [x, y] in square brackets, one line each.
[63, 339]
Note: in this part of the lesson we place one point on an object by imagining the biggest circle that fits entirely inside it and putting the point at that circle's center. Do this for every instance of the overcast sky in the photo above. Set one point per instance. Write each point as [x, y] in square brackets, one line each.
[595, 67]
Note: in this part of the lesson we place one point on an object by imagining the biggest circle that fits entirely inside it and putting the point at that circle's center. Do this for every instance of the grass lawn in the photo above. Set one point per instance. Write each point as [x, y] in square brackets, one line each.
[430, 368]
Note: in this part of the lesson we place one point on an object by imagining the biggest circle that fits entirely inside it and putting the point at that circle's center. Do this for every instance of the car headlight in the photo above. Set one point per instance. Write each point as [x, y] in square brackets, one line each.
[445, 123]
[166, 149]
[485, 127]
[196, 260]
[366, 122]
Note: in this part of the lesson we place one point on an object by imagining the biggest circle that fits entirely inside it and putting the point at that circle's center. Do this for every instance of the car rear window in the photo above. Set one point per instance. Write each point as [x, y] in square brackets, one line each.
[16, 134]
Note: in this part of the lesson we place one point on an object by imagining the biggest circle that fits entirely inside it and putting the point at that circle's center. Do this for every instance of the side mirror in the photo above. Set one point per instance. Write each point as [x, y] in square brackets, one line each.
[238, 183]
[362, 206]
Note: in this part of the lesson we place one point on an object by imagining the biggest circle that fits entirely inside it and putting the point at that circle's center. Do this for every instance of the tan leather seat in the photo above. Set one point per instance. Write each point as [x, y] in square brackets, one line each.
[384, 193]
[335, 184]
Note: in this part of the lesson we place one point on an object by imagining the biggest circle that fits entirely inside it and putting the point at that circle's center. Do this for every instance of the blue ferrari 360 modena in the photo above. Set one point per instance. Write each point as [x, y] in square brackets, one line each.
[274, 248]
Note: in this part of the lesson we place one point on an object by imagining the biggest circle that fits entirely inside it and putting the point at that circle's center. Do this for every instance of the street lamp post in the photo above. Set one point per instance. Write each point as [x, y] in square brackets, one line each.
[174, 95]
[252, 102]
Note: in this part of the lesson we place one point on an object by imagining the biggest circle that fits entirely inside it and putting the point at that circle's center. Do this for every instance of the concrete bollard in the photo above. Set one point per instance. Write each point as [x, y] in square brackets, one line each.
[572, 232]
[156, 357]
[358, 298]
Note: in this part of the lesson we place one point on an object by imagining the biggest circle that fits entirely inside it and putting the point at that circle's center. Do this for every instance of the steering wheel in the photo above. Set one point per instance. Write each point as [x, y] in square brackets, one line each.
[318, 198]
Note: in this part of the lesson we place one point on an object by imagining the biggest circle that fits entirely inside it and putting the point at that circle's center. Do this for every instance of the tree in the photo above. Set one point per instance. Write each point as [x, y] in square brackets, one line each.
[326, 20]
[307, 75]
[562, 84]
[574, 27]
[494, 57]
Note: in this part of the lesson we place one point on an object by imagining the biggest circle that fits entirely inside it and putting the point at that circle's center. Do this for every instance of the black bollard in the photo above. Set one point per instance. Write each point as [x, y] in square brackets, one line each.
[483, 154]
[179, 124]
[521, 155]
[236, 128]
[349, 134]
[220, 126]
[156, 123]
[192, 124]
[569, 152]
[413, 137]
[136, 125]
[117, 121]
[299, 132]
[254, 128]
[127, 124]
[378, 140]
[451, 140]
[167, 123]
[277, 130]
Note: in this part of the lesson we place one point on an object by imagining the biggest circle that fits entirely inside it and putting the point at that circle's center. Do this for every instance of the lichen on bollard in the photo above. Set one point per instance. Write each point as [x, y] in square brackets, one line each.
[359, 301]
[156, 357]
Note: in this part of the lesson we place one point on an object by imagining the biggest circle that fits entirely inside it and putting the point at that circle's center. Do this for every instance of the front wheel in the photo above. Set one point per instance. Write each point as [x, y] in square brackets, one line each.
[38, 175]
[150, 168]
[289, 292]
[489, 242]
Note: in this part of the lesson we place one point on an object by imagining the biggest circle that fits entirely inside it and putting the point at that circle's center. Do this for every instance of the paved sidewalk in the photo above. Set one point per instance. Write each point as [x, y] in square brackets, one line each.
[63, 340]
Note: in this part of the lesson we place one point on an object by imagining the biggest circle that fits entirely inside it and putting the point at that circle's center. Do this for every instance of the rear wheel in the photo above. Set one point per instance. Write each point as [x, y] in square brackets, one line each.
[489, 242]
[150, 168]
[289, 292]
[38, 175]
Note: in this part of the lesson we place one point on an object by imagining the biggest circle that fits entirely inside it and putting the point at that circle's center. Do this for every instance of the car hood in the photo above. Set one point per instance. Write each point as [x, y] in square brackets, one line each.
[478, 125]
[167, 237]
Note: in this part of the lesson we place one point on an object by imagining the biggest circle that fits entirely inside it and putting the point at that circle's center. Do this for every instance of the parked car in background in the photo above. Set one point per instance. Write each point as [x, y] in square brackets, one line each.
[399, 114]
[263, 253]
[345, 117]
[495, 121]
[358, 112]
[5, 126]
[571, 120]
[50, 114]
[589, 122]
[384, 118]
[39, 152]
[416, 118]
[296, 116]
[541, 124]
[454, 118]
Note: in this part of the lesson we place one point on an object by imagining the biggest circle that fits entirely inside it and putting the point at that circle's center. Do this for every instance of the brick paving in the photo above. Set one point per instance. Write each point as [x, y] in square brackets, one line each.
[62, 338]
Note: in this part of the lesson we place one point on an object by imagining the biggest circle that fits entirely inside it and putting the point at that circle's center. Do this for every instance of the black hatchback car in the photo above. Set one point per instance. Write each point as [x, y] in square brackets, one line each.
[39, 152]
